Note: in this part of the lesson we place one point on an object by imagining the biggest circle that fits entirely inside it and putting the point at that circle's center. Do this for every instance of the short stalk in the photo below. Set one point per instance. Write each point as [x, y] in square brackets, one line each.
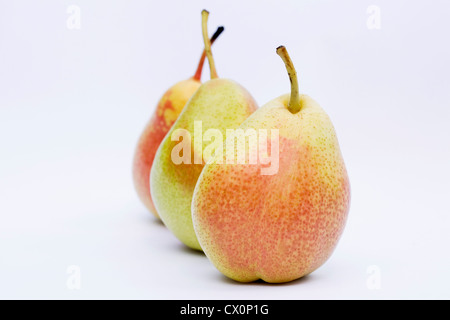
[212, 66]
[295, 104]
[198, 73]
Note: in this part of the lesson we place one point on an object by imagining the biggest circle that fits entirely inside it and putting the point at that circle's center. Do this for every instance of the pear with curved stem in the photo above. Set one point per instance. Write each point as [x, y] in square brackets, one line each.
[167, 111]
[285, 225]
[218, 104]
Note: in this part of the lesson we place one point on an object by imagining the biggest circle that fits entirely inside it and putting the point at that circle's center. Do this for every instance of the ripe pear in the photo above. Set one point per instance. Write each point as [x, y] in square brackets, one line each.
[167, 111]
[282, 226]
[218, 104]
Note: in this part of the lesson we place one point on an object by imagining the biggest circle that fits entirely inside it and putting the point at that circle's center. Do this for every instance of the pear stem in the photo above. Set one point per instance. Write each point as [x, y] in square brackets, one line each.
[212, 66]
[295, 104]
[198, 73]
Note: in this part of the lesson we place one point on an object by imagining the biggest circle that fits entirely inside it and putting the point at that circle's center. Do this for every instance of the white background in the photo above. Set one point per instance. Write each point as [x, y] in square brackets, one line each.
[73, 104]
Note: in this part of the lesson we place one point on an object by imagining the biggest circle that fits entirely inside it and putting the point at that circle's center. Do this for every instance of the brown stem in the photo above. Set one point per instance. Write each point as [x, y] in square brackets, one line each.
[294, 105]
[212, 66]
[198, 73]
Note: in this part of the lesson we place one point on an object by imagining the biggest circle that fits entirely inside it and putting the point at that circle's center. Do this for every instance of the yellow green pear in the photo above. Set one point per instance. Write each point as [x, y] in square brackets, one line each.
[218, 104]
[280, 225]
[166, 113]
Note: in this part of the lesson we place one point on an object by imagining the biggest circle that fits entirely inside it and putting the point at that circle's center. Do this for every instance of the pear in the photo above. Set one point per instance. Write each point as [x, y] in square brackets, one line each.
[282, 225]
[167, 111]
[218, 104]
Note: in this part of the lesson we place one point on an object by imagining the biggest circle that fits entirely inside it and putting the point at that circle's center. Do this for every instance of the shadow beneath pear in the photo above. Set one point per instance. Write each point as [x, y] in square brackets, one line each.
[259, 283]
[186, 250]
[183, 249]
[149, 219]
[179, 247]
[157, 222]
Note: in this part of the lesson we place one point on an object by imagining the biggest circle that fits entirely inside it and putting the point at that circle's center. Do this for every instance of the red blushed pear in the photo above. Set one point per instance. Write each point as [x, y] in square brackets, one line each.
[283, 226]
[167, 111]
[219, 104]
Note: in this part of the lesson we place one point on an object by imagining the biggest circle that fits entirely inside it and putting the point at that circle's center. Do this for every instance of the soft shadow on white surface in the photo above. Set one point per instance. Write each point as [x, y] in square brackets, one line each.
[73, 104]
[259, 283]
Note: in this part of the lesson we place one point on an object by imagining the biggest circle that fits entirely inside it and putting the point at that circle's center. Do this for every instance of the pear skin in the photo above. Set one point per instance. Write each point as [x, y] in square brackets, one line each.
[167, 111]
[278, 227]
[218, 104]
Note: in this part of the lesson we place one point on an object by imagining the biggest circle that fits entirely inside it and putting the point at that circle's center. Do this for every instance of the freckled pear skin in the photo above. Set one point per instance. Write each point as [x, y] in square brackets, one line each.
[169, 107]
[167, 111]
[219, 104]
[279, 227]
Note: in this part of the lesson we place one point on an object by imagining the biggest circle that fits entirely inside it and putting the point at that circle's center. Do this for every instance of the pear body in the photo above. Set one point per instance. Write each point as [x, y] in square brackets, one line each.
[218, 104]
[277, 227]
[167, 111]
